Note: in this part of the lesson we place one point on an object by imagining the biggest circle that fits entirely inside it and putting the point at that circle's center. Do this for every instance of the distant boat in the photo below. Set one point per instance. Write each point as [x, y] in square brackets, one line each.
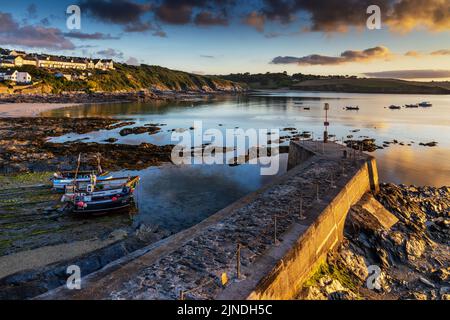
[96, 196]
[394, 107]
[411, 105]
[351, 108]
[425, 104]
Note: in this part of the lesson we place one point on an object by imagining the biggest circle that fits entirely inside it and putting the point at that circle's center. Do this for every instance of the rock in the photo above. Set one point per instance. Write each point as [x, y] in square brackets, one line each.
[314, 293]
[139, 130]
[419, 296]
[415, 247]
[429, 144]
[426, 282]
[118, 234]
[355, 264]
[111, 140]
[342, 295]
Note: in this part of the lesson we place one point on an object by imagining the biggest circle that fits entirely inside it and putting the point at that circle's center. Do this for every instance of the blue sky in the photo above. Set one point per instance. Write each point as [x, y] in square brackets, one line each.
[174, 34]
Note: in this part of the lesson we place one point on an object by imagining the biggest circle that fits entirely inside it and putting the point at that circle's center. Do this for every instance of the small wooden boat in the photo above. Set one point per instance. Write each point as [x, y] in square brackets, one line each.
[64, 178]
[394, 107]
[352, 108]
[101, 196]
[411, 105]
[425, 104]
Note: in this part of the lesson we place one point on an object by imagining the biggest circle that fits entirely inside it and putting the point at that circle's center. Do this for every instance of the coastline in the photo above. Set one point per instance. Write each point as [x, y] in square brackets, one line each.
[30, 109]
[31, 105]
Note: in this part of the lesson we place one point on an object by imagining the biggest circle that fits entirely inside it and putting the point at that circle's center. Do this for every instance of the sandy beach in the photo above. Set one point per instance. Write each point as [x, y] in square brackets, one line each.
[30, 109]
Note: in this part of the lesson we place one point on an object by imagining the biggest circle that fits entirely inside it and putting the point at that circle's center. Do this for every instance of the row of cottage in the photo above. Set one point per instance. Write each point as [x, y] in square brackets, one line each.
[19, 58]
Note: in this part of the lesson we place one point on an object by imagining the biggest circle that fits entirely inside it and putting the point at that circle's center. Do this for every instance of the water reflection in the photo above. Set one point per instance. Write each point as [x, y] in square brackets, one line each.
[402, 164]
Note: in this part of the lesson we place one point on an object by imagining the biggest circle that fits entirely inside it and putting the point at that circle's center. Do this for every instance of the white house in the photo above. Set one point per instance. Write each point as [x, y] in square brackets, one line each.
[15, 76]
[23, 77]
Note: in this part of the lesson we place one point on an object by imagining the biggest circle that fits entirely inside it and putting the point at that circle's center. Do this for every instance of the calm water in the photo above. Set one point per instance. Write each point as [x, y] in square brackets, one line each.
[173, 195]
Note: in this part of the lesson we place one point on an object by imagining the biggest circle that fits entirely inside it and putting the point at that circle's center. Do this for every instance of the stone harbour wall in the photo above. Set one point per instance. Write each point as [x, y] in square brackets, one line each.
[325, 234]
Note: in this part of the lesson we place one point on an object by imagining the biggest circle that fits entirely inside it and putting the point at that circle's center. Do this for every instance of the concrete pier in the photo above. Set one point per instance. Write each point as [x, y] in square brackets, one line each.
[283, 230]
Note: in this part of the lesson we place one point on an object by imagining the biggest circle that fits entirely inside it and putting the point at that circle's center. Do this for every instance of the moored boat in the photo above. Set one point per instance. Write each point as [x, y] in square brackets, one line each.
[411, 105]
[351, 108]
[64, 178]
[425, 104]
[394, 107]
[95, 197]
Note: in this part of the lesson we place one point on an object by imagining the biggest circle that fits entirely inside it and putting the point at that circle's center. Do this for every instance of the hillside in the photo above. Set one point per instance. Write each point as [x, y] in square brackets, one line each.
[366, 85]
[337, 83]
[125, 78]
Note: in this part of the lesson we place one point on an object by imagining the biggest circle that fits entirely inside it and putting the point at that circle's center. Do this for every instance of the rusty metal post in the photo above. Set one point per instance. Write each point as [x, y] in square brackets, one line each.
[302, 217]
[275, 230]
[238, 261]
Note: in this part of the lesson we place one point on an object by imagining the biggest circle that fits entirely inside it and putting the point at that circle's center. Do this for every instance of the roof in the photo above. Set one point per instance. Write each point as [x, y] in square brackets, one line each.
[10, 72]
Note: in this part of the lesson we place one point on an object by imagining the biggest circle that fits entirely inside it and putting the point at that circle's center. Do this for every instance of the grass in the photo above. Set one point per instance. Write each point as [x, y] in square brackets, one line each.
[124, 78]
[25, 179]
[334, 272]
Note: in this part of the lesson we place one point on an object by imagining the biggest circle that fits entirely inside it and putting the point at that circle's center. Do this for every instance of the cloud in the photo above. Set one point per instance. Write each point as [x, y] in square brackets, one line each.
[256, 20]
[411, 74]
[111, 53]
[348, 56]
[200, 12]
[32, 11]
[407, 15]
[115, 11]
[11, 33]
[140, 26]
[90, 36]
[45, 22]
[7, 23]
[123, 12]
[206, 18]
[340, 15]
[443, 52]
[414, 54]
[417, 54]
[133, 61]
[207, 56]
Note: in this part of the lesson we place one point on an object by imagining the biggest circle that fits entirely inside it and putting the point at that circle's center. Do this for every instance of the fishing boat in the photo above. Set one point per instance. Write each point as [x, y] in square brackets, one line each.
[96, 197]
[411, 105]
[64, 178]
[351, 108]
[425, 104]
[394, 107]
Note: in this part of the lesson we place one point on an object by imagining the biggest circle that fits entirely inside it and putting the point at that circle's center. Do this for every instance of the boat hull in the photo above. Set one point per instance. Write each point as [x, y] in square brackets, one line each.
[124, 202]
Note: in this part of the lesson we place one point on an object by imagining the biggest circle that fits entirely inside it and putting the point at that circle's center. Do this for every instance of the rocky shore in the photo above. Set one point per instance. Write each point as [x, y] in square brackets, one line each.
[108, 97]
[413, 256]
[24, 146]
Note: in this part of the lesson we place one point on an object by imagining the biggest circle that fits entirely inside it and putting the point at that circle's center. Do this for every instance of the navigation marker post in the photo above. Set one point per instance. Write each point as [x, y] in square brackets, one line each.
[326, 123]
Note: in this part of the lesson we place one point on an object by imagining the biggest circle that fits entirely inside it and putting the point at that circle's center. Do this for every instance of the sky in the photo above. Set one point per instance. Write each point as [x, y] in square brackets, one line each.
[231, 36]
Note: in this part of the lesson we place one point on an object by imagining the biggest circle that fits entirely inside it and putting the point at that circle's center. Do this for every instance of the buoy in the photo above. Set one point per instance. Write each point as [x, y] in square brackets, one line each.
[114, 198]
[80, 204]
